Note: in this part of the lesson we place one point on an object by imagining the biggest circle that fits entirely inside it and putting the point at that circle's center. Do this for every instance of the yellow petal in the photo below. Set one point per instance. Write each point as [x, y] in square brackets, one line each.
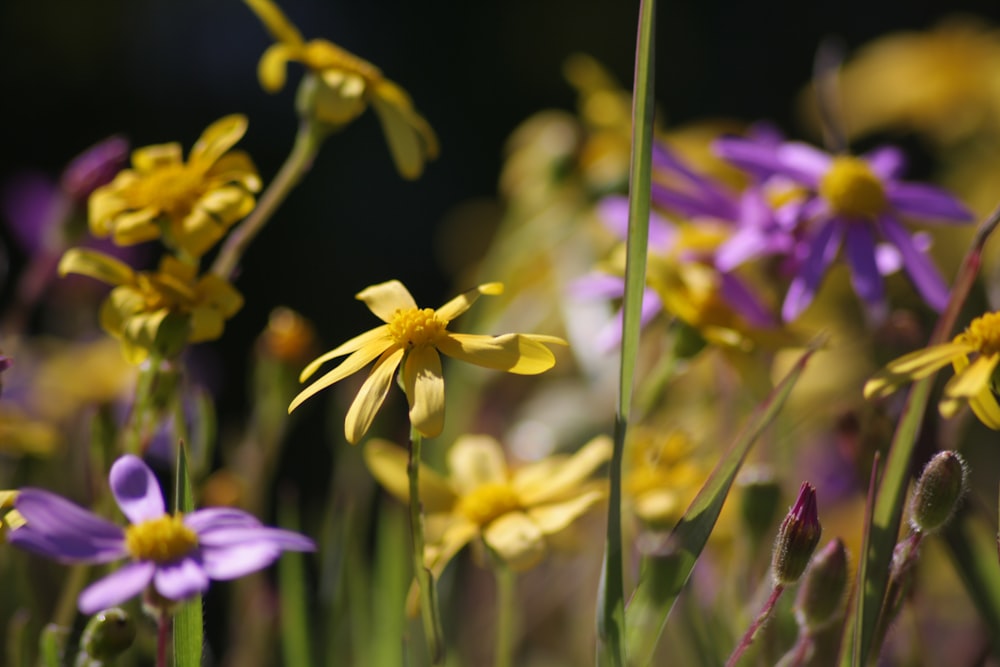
[371, 395]
[556, 517]
[475, 460]
[386, 298]
[914, 366]
[237, 168]
[220, 293]
[516, 539]
[514, 353]
[102, 207]
[138, 226]
[97, 265]
[387, 463]
[568, 477]
[459, 533]
[207, 323]
[218, 138]
[462, 302]
[379, 335]
[157, 156]
[275, 21]
[423, 383]
[272, 65]
[985, 406]
[349, 366]
[411, 140]
[972, 380]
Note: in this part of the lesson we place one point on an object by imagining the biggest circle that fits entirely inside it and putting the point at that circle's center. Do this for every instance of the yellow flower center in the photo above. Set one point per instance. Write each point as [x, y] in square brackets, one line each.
[984, 333]
[160, 540]
[174, 189]
[416, 327]
[488, 502]
[852, 188]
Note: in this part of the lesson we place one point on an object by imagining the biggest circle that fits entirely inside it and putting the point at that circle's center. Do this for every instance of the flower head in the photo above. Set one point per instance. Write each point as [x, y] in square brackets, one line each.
[190, 205]
[345, 86]
[974, 354]
[177, 554]
[415, 338]
[157, 311]
[797, 538]
[662, 477]
[514, 512]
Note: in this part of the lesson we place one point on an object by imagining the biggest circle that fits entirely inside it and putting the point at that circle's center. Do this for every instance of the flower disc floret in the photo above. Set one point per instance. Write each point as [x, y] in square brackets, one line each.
[416, 327]
[983, 334]
[161, 540]
[488, 502]
[852, 188]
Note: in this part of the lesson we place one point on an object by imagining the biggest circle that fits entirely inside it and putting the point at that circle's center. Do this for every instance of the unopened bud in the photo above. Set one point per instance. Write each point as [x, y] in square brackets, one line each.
[108, 634]
[797, 538]
[822, 589]
[938, 492]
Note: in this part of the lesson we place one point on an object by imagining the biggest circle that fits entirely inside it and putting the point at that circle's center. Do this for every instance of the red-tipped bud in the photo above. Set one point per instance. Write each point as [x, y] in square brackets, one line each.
[797, 538]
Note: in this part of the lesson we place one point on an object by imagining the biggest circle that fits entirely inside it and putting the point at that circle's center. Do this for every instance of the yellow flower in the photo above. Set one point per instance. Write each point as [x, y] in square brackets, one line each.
[188, 204]
[662, 476]
[514, 512]
[347, 85]
[973, 354]
[414, 337]
[157, 312]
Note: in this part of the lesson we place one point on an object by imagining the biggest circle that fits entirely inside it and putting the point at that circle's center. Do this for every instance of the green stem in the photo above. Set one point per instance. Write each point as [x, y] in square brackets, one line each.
[425, 580]
[307, 142]
[141, 406]
[748, 637]
[506, 601]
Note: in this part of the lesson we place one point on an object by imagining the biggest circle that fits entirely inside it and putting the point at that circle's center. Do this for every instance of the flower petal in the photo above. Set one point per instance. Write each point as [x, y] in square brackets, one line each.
[516, 539]
[523, 354]
[918, 265]
[568, 477]
[410, 137]
[972, 380]
[475, 460]
[914, 366]
[281, 29]
[181, 579]
[206, 520]
[423, 383]
[926, 202]
[217, 138]
[272, 66]
[371, 395]
[97, 265]
[985, 406]
[556, 517]
[462, 302]
[136, 490]
[822, 250]
[349, 366]
[887, 162]
[238, 560]
[859, 246]
[388, 462]
[368, 338]
[126, 582]
[386, 298]
[64, 531]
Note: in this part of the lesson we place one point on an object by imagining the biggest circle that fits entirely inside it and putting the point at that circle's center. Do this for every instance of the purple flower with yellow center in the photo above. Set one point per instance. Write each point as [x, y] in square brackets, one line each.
[856, 201]
[177, 554]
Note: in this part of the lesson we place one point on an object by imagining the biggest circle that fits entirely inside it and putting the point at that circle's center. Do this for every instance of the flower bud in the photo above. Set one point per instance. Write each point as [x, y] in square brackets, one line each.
[938, 492]
[797, 538]
[108, 634]
[823, 585]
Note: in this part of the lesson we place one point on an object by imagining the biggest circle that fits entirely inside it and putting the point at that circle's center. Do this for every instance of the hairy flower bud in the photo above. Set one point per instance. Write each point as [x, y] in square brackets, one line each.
[938, 492]
[823, 585]
[797, 538]
[108, 634]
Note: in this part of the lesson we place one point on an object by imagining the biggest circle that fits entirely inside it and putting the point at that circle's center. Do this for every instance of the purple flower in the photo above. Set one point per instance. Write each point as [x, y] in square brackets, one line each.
[176, 554]
[854, 202]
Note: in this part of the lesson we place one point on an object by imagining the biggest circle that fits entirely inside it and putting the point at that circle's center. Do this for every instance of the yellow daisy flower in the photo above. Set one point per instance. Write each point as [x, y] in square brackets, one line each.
[189, 204]
[414, 337]
[514, 512]
[662, 476]
[348, 85]
[974, 354]
[156, 312]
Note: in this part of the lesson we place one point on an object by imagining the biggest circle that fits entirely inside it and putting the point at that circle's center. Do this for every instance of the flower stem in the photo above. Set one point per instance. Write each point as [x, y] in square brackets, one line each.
[506, 600]
[762, 617]
[141, 406]
[425, 581]
[307, 142]
[162, 635]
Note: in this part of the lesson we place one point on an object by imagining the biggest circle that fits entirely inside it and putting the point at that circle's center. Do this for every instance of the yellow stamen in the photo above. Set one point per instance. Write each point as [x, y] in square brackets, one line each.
[415, 327]
[852, 188]
[174, 189]
[160, 540]
[489, 502]
[983, 333]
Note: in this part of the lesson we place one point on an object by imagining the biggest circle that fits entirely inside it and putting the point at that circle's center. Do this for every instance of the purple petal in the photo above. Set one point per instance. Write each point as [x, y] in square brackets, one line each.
[743, 300]
[232, 562]
[229, 536]
[212, 518]
[693, 204]
[64, 531]
[181, 579]
[822, 251]
[859, 245]
[597, 286]
[127, 581]
[926, 202]
[803, 162]
[613, 211]
[610, 335]
[135, 488]
[743, 246]
[30, 203]
[887, 162]
[760, 158]
[919, 266]
[712, 194]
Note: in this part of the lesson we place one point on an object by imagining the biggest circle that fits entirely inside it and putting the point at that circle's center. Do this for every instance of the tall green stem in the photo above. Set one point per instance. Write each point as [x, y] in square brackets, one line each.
[425, 580]
[140, 408]
[506, 603]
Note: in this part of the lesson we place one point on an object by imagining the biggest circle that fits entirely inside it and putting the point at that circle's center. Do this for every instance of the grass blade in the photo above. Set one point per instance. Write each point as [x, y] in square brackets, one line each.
[188, 624]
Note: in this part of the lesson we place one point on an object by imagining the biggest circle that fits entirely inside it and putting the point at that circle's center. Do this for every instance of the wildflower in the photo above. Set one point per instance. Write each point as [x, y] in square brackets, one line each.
[662, 476]
[157, 311]
[855, 200]
[190, 205]
[514, 512]
[346, 85]
[974, 354]
[414, 337]
[177, 554]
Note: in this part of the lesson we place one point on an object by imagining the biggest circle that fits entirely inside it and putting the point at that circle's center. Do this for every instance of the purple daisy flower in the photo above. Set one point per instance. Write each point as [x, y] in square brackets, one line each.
[176, 554]
[855, 202]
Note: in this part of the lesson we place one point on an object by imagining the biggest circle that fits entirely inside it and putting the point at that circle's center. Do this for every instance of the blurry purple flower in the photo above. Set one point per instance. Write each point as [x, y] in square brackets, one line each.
[94, 167]
[176, 554]
[855, 200]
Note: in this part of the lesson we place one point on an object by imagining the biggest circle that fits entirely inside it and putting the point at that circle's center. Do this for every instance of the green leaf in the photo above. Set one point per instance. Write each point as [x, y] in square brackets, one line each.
[296, 644]
[973, 546]
[669, 563]
[188, 623]
[611, 598]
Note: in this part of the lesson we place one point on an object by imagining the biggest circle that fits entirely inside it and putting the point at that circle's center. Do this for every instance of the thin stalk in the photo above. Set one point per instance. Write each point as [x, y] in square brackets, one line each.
[765, 613]
[506, 604]
[307, 142]
[425, 580]
[140, 408]
[162, 635]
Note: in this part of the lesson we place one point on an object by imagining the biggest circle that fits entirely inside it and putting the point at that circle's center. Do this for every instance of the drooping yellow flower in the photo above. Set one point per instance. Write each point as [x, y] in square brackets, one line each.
[347, 85]
[157, 311]
[514, 512]
[974, 354]
[414, 337]
[190, 205]
[662, 476]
